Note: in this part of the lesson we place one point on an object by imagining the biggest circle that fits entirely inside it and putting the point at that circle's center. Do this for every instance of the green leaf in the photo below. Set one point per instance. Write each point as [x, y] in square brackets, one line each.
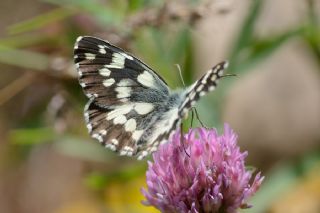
[24, 58]
[262, 48]
[96, 181]
[103, 13]
[23, 40]
[136, 4]
[247, 30]
[31, 136]
[312, 30]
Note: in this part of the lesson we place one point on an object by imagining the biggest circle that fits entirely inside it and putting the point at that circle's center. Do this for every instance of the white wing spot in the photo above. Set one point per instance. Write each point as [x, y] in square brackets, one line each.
[117, 61]
[115, 142]
[125, 83]
[115, 66]
[121, 119]
[121, 110]
[143, 108]
[146, 79]
[111, 146]
[211, 88]
[225, 65]
[202, 93]
[153, 149]
[79, 39]
[130, 125]
[98, 137]
[192, 95]
[104, 72]
[123, 152]
[123, 92]
[124, 100]
[108, 82]
[89, 127]
[204, 80]
[142, 155]
[86, 116]
[200, 87]
[103, 132]
[83, 84]
[90, 56]
[127, 56]
[102, 49]
[213, 78]
[137, 134]
[127, 150]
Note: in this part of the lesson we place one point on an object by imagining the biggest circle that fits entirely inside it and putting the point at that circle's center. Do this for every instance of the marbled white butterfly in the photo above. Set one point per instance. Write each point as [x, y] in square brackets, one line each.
[131, 109]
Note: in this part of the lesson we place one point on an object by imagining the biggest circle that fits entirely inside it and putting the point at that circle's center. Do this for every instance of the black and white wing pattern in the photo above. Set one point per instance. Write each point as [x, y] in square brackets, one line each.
[131, 110]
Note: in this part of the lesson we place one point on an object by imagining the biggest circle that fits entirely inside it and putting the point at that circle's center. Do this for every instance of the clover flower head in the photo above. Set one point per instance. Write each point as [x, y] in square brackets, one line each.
[204, 174]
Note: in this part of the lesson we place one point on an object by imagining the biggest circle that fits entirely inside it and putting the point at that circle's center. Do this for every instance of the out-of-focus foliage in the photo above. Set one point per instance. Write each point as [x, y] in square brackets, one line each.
[42, 104]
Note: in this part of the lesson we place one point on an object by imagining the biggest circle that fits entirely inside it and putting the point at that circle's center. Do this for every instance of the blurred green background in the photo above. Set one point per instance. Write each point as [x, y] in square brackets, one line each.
[48, 163]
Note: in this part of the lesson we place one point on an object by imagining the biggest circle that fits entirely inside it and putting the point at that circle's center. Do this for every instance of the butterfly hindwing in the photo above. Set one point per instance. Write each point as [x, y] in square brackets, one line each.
[124, 94]
[114, 132]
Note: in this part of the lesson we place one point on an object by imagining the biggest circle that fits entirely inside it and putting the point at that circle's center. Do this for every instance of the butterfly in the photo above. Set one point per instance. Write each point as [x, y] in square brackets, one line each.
[131, 109]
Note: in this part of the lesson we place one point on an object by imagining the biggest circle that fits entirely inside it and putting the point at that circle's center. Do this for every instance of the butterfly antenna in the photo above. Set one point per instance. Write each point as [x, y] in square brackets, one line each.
[192, 116]
[228, 75]
[182, 140]
[180, 73]
[198, 118]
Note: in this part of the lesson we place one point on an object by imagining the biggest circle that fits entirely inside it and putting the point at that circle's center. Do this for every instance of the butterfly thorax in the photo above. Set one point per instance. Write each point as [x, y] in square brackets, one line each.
[163, 115]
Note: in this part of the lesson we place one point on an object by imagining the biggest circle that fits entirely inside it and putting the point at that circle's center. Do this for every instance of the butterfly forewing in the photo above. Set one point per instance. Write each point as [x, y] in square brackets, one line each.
[131, 109]
[109, 74]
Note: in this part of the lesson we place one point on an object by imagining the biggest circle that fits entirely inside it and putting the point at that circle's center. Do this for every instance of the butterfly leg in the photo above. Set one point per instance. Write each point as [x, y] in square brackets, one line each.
[182, 140]
[198, 117]
[192, 116]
